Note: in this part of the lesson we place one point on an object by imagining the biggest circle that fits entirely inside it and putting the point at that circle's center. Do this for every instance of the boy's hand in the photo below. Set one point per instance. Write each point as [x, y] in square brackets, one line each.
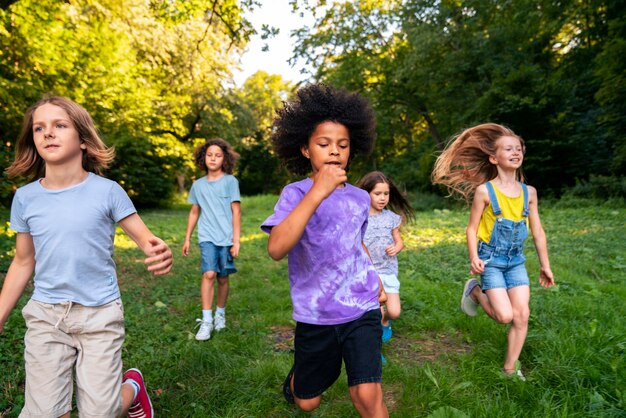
[186, 245]
[382, 295]
[234, 249]
[328, 178]
[546, 279]
[160, 258]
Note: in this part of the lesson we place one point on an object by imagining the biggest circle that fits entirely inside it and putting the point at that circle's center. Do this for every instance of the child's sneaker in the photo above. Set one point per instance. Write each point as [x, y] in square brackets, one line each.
[467, 303]
[387, 332]
[220, 322]
[517, 372]
[141, 406]
[287, 387]
[204, 333]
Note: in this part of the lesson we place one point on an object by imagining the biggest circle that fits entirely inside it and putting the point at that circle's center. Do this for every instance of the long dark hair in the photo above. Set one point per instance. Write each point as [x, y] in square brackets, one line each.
[397, 200]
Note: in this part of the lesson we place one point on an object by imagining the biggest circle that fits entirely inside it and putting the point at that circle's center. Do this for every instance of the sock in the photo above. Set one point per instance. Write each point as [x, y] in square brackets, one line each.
[207, 315]
[134, 385]
[220, 311]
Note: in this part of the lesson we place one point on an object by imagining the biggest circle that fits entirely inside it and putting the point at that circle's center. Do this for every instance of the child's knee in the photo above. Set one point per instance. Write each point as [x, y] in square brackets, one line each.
[393, 313]
[504, 317]
[308, 405]
[366, 396]
[521, 316]
[209, 275]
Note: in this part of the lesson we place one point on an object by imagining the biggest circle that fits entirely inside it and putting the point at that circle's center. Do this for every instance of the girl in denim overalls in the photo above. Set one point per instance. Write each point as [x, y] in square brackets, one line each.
[486, 161]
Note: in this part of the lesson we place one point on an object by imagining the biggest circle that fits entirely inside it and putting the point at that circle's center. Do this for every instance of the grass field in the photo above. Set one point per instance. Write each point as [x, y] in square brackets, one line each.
[440, 362]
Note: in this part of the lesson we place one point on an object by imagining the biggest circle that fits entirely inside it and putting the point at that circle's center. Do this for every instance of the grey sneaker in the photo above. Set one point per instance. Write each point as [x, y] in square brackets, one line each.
[204, 333]
[220, 322]
[467, 303]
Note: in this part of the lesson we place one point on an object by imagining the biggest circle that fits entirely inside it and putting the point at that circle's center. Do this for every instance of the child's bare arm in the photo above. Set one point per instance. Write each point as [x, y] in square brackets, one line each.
[236, 208]
[159, 256]
[18, 275]
[546, 278]
[480, 202]
[284, 236]
[194, 214]
[398, 244]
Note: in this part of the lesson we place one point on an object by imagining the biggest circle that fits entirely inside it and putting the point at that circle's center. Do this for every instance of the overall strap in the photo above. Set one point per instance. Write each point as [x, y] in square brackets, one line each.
[525, 191]
[494, 200]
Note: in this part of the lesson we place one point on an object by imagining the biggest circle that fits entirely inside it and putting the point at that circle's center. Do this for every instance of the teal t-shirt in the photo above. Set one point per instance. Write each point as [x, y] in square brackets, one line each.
[216, 216]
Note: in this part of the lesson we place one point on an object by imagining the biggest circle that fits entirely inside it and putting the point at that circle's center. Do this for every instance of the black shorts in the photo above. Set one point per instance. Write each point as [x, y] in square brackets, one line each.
[319, 350]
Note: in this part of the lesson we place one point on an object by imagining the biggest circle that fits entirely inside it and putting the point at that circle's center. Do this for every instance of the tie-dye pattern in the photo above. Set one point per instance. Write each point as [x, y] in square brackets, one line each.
[332, 279]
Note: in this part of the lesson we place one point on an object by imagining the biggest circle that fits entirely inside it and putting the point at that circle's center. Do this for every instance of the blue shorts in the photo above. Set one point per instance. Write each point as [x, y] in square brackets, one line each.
[216, 258]
[319, 350]
[503, 271]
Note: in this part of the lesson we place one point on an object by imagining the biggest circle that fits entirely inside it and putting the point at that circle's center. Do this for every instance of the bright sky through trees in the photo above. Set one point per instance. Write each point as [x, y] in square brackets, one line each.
[276, 13]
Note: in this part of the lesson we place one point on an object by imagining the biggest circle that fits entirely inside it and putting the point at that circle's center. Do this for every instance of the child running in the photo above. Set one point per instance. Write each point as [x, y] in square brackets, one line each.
[65, 223]
[217, 211]
[486, 161]
[319, 222]
[383, 239]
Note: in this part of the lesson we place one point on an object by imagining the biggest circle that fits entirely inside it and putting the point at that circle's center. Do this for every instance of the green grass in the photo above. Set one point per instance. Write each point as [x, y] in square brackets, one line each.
[440, 362]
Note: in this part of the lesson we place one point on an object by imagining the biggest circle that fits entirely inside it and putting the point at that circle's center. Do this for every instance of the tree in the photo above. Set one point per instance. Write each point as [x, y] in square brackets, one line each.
[152, 74]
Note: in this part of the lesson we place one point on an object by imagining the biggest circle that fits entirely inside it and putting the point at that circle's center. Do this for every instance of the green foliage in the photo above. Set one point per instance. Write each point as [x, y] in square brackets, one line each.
[153, 72]
[553, 72]
[599, 187]
[440, 362]
[143, 172]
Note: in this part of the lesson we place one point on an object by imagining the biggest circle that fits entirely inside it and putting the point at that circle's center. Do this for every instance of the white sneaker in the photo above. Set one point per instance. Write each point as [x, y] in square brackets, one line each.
[220, 322]
[467, 303]
[204, 333]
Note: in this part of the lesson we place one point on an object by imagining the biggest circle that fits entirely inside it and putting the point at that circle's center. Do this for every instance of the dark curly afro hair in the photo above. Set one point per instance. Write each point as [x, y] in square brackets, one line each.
[230, 155]
[315, 104]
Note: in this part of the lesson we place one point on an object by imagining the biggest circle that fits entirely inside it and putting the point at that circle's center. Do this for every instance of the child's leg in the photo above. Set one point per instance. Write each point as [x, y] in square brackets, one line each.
[207, 289]
[368, 400]
[99, 362]
[495, 303]
[392, 310]
[519, 296]
[222, 291]
[362, 357]
[317, 363]
[49, 356]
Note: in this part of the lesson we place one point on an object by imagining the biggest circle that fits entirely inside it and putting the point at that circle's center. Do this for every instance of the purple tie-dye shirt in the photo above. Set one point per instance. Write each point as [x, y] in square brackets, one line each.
[332, 278]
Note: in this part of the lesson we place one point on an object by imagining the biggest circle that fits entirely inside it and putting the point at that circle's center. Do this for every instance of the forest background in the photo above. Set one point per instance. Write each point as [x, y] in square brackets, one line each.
[157, 76]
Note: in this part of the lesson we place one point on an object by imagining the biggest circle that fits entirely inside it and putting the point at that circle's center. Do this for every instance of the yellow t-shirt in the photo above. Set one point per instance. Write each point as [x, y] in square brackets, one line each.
[512, 208]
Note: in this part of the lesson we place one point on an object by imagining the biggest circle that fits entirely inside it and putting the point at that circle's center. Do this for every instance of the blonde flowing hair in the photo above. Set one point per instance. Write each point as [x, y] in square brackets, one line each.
[96, 157]
[464, 164]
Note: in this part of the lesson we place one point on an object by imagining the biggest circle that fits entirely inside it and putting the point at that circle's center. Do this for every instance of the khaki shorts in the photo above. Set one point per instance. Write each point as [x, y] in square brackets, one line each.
[65, 338]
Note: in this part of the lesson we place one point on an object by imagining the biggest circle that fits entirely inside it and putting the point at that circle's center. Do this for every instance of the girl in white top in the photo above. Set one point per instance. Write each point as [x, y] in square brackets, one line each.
[65, 223]
[383, 239]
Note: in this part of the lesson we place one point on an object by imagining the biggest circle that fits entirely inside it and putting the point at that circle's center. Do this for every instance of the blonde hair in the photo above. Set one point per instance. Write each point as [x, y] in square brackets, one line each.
[96, 156]
[464, 164]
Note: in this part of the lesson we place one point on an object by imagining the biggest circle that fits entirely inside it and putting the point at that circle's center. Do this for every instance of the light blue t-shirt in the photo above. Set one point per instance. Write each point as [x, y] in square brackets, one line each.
[73, 231]
[332, 279]
[216, 215]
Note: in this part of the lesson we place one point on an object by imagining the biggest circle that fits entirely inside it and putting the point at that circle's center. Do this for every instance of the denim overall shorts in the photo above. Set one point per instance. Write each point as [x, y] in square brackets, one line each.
[504, 254]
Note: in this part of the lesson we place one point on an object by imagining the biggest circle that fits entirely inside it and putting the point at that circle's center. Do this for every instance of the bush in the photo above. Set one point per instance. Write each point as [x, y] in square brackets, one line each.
[146, 176]
[599, 187]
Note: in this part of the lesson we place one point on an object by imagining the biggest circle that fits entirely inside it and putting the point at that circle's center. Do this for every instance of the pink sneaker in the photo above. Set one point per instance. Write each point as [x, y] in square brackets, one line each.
[141, 407]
